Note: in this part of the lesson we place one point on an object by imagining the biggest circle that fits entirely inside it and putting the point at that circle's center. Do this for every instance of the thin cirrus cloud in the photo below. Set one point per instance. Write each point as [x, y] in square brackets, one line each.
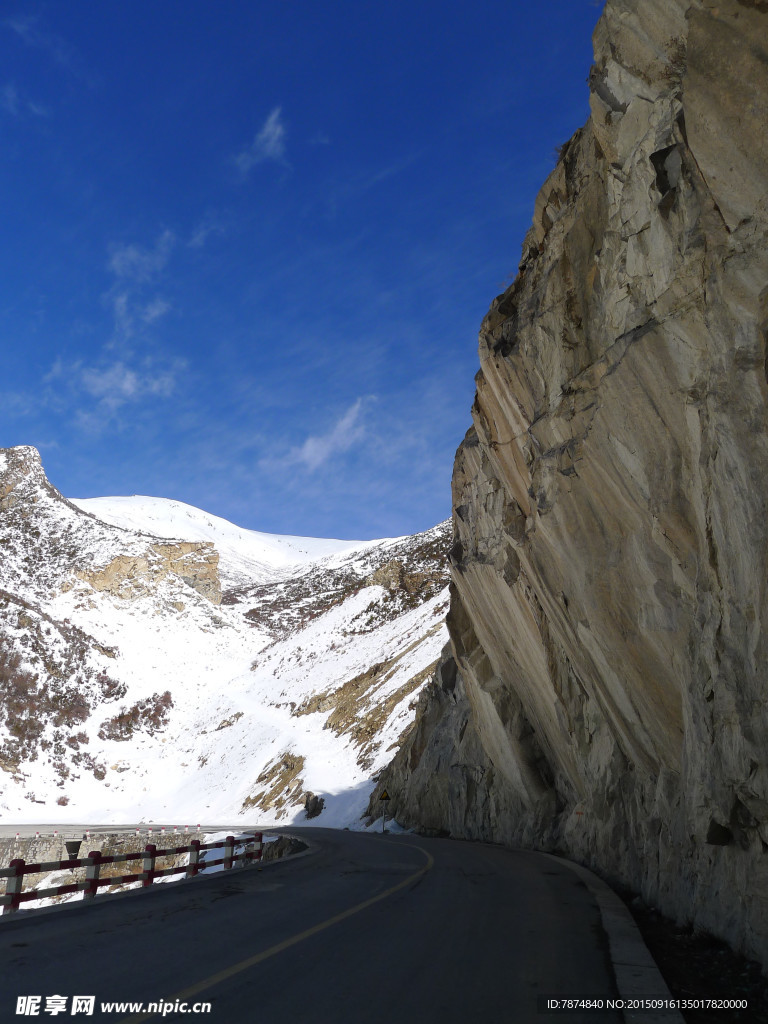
[345, 433]
[111, 381]
[16, 105]
[9, 99]
[209, 225]
[269, 144]
[134, 267]
[140, 263]
[28, 29]
[154, 310]
[116, 384]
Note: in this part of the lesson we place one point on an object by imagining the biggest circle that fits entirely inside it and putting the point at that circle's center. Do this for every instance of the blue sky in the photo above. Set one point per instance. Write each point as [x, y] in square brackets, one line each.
[247, 246]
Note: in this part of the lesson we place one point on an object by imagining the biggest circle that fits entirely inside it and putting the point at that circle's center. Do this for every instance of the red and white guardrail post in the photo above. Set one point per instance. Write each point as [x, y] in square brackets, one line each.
[13, 887]
[229, 852]
[92, 871]
[149, 863]
[194, 858]
[18, 869]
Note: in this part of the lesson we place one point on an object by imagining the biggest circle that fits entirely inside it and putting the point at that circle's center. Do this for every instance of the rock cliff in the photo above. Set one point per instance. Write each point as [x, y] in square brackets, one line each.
[606, 692]
[192, 562]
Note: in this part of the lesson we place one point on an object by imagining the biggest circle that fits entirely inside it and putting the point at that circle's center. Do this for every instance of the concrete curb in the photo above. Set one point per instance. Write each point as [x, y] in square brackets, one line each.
[637, 974]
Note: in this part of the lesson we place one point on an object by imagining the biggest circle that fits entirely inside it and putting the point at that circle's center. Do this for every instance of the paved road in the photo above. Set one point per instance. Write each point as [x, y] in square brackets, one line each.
[366, 928]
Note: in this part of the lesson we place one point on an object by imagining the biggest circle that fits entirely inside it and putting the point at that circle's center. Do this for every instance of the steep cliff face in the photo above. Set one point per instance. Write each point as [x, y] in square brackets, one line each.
[606, 691]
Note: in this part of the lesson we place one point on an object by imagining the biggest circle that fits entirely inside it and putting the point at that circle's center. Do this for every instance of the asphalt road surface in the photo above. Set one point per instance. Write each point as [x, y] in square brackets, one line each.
[365, 929]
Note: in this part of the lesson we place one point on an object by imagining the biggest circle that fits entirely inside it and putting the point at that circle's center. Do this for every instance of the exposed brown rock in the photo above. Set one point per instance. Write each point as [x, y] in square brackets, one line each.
[313, 805]
[279, 786]
[283, 846]
[609, 617]
[358, 708]
[194, 562]
[35, 523]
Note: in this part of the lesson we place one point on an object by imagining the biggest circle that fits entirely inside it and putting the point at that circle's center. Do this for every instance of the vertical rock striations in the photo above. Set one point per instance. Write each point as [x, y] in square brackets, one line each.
[606, 692]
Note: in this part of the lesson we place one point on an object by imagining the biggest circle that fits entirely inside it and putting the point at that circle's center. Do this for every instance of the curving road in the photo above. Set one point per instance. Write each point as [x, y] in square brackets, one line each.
[364, 928]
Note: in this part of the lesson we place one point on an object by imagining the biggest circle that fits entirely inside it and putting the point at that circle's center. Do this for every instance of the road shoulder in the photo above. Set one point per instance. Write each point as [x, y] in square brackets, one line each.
[636, 972]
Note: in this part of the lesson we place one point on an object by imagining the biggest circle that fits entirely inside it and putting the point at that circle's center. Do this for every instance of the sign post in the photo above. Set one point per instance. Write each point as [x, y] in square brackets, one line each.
[384, 796]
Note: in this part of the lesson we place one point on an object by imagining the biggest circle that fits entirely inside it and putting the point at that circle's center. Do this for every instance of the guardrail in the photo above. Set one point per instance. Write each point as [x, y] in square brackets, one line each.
[93, 863]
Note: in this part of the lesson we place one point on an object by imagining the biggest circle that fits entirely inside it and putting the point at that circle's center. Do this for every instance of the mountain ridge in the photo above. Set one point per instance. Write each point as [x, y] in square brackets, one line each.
[243, 553]
[135, 686]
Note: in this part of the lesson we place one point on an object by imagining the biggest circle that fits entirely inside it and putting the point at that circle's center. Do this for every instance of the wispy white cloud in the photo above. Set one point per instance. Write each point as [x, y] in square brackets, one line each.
[345, 433]
[28, 29]
[211, 224]
[269, 144]
[122, 312]
[9, 99]
[59, 370]
[135, 269]
[139, 263]
[13, 103]
[154, 310]
[19, 403]
[369, 181]
[117, 384]
[113, 385]
[361, 182]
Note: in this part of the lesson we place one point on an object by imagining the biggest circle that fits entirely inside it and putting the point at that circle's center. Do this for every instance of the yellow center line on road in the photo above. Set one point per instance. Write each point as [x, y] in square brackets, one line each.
[251, 961]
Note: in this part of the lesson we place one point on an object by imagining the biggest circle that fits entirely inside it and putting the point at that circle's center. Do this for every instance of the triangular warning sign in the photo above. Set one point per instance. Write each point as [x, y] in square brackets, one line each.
[384, 795]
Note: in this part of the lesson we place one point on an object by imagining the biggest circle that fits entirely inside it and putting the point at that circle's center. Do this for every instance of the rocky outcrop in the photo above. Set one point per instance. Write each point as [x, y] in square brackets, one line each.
[43, 531]
[21, 475]
[606, 692]
[193, 562]
[313, 805]
[283, 846]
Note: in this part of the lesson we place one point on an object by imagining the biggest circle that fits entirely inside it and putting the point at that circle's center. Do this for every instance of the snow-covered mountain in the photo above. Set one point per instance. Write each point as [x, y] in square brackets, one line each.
[160, 663]
[245, 556]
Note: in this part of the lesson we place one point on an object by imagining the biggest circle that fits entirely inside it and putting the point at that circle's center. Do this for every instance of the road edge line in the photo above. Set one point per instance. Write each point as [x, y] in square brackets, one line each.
[637, 973]
[251, 961]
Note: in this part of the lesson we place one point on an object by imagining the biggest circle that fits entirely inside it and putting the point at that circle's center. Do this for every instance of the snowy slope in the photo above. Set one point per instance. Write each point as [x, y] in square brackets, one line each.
[300, 682]
[244, 555]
